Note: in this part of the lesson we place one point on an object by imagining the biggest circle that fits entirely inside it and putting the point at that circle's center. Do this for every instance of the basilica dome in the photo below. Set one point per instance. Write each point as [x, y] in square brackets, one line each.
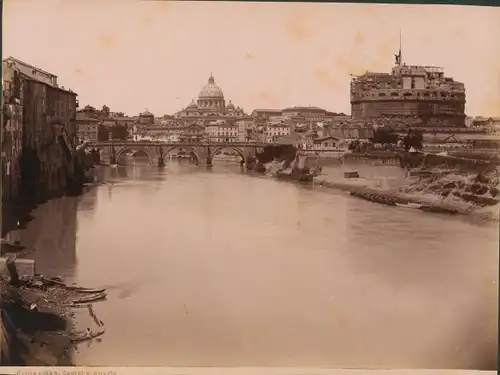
[211, 90]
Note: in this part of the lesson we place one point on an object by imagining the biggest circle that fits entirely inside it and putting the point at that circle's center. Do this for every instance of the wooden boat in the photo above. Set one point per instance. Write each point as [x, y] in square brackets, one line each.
[410, 205]
[79, 289]
[93, 298]
[85, 336]
[51, 280]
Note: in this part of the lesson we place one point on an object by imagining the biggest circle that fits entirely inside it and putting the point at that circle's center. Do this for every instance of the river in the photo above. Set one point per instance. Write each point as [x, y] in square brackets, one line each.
[217, 268]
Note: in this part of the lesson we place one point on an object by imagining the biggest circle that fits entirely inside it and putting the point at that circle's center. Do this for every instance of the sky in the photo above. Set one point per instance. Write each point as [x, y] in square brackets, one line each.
[157, 55]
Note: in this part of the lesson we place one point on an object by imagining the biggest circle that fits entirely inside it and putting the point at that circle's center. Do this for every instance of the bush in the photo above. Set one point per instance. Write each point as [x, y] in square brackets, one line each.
[277, 152]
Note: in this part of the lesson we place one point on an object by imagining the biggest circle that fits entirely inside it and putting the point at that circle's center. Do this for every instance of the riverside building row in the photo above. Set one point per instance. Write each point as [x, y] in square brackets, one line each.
[210, 117]
[38, 134]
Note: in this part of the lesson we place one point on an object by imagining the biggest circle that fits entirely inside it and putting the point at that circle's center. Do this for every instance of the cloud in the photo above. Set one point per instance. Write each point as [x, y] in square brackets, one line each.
[78, 71]
[324, 78]
[106, 41]
[297, 28]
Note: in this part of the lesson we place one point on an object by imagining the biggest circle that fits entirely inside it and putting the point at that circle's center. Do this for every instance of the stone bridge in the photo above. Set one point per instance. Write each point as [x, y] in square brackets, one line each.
[158, 151]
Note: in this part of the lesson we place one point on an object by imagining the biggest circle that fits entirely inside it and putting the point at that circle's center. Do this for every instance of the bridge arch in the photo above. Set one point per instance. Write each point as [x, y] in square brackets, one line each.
[190, 149]
[217, 150]
[123, 150]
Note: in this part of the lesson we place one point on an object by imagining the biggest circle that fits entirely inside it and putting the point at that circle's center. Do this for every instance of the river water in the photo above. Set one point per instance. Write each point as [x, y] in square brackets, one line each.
[218, 268]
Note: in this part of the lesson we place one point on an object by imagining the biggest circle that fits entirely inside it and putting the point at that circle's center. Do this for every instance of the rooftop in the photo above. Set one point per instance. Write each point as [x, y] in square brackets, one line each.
[304, 108]
[83, 117]
[31, 78]
[267, 110]
[10, 58]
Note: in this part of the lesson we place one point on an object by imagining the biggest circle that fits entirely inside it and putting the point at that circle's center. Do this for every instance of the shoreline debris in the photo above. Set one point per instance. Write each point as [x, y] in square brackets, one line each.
[41, 311]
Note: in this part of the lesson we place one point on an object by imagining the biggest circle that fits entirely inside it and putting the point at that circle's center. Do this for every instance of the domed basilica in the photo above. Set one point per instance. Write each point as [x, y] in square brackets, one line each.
[210, 105]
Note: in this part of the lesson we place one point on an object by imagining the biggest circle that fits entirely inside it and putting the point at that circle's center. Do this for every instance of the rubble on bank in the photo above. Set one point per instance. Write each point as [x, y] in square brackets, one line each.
[42, 310]
[459, 186]
[294, 170]
[441, 191]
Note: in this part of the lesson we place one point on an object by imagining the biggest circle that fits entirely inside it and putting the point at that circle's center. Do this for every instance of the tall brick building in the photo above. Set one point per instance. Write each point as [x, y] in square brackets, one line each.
[46, 157]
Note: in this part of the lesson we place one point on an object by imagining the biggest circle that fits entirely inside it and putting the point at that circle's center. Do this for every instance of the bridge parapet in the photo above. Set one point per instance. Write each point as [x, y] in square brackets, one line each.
[178, 144]
[157, 151]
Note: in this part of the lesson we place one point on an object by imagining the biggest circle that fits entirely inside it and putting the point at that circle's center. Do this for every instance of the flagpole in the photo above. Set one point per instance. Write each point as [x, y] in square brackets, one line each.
[400, 54]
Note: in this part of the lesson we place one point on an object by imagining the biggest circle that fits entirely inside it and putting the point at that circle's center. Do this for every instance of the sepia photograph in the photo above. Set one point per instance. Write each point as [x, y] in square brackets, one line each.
[224, 184]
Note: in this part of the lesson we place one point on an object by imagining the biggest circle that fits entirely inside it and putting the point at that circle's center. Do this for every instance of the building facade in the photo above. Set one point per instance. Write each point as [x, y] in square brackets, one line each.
[409, 96]
[176, 132]
[246, 129]
[48, 143]
[222, 131]
[146, 118]
[266, 113]
[276, 130]
[12, 133]
[306, 113]
[490, 124]
[87, 128]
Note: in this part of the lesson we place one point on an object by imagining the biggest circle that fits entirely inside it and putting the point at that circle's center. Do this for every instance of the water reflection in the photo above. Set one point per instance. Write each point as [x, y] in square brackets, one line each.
[407, 257]
[122, 172]
[215, 268]
[52, 235]
[88, 202]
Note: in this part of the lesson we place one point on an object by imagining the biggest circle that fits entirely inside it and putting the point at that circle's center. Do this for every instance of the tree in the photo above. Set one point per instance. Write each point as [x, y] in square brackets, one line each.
[413, 139]
[105, 111]
[354, 146]
[89, 108]
[119, 132]
[102, 133]
[385, 136]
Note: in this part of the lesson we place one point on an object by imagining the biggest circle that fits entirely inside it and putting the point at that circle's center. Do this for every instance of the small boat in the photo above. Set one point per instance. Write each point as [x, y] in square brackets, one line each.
[85, 336]
[56, 278]
[93, 298]
[58, 281]
[410, 205]
[114, 165]
[80, 289]
[51, 280]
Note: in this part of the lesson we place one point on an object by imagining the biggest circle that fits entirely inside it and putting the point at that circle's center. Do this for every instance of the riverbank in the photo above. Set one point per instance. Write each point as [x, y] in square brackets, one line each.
[44, 315]
[440, 192]
[447, 189]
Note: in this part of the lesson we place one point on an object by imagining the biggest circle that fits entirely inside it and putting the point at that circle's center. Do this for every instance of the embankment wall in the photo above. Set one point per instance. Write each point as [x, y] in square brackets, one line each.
[447, 161]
